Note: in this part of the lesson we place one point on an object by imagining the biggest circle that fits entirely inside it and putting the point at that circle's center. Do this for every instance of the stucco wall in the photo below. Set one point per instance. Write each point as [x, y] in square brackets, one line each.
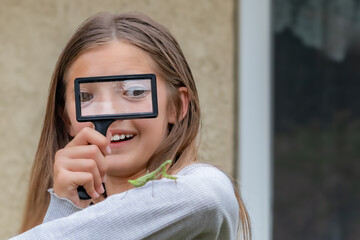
[32, 34]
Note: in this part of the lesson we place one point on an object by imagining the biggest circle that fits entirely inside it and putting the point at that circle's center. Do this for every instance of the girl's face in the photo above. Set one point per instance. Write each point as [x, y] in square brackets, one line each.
[129, 156]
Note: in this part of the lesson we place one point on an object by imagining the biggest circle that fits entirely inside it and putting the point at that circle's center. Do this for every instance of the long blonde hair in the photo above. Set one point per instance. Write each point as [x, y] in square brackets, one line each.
[180, 143]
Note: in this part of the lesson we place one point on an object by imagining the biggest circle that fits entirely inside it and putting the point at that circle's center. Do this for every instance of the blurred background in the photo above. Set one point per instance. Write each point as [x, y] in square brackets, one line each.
[316, 119]
[279, 91]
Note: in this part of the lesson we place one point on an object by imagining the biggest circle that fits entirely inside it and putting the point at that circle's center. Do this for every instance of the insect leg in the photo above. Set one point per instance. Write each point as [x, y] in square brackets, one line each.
[124, 195]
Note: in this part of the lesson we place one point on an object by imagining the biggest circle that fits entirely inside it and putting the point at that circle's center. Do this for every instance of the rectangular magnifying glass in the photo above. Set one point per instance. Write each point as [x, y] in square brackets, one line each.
[103, 100]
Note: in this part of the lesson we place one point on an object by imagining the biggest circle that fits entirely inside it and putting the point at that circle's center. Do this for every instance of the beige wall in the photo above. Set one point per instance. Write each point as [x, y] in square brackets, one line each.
[32, 34]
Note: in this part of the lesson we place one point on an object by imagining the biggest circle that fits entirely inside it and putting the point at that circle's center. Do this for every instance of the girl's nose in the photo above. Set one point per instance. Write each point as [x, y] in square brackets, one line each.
[109, 101]
[109, 107]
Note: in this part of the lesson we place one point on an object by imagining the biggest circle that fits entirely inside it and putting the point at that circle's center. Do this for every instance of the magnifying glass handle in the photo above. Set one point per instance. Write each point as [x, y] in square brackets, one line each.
[101, 126]
[82, 193]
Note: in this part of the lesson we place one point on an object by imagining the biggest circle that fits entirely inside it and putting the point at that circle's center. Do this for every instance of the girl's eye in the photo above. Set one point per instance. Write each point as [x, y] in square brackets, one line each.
[85, 97]
[136, 92]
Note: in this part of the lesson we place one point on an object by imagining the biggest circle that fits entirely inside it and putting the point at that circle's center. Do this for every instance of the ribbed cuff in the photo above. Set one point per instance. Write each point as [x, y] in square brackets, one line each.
[59, 207]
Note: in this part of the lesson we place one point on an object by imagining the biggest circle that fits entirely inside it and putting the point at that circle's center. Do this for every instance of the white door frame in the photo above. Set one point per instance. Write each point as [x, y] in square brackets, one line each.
[254, 113]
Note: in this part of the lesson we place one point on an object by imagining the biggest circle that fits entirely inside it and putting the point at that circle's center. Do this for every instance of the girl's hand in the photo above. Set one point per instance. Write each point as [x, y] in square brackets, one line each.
[81, 163]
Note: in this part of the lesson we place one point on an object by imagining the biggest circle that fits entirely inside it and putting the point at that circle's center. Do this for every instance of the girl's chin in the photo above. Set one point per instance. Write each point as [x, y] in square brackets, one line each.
[118, 159]
[123, 172]
[120, 163]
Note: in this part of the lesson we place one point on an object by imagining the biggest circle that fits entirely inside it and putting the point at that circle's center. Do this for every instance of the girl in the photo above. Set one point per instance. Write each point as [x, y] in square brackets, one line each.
[201, 204]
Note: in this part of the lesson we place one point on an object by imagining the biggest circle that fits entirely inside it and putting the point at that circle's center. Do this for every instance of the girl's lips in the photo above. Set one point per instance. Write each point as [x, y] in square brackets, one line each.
[121, 131]
[119, 144]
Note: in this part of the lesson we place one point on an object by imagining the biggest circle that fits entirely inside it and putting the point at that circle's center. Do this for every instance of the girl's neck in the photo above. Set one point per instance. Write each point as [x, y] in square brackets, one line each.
[115, 184]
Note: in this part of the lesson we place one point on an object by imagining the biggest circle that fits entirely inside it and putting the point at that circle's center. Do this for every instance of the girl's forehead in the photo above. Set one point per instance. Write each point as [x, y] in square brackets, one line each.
[114, 58]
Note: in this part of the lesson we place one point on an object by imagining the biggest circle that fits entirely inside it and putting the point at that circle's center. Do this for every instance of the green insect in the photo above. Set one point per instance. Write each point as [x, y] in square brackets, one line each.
[141, 181]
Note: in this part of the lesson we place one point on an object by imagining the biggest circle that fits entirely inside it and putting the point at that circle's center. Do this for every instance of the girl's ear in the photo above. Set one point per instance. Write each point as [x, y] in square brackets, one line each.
[184, 96]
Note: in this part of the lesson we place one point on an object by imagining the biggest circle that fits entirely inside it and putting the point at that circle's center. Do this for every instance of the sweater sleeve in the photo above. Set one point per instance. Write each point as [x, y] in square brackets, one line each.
[59, 207]
[201, 204]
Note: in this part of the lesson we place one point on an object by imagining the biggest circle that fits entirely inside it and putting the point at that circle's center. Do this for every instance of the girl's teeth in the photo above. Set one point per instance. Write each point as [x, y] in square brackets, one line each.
[118, 137]
[115, 138]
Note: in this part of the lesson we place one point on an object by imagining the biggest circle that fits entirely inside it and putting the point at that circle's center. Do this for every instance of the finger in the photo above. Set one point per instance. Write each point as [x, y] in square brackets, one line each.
[85, 179]
[88, 166]
[83, 152]
[65, 186]
[108, 137]
[90, 136]
[65, 164]
[99, 199]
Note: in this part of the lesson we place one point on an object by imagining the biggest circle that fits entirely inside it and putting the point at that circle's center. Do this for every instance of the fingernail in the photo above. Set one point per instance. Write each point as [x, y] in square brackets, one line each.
[108, 149]
[104, 179]
[95, 194]
[101, 189]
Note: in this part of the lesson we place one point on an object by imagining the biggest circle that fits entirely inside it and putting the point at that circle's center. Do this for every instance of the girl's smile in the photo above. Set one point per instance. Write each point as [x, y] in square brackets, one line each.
[120, 138]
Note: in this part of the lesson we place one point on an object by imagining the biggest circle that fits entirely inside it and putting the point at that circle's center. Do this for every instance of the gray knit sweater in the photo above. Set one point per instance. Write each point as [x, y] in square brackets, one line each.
[200, 205]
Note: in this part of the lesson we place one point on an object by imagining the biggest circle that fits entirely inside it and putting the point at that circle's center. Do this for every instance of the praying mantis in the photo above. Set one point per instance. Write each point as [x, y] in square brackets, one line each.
[141, 181]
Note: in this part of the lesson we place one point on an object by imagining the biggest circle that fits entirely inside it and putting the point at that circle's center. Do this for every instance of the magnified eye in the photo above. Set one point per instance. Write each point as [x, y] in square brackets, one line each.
[136, 92]
[85, 97]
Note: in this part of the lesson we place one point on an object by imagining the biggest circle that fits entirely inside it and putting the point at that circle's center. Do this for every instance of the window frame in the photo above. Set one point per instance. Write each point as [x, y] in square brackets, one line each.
[254, 158]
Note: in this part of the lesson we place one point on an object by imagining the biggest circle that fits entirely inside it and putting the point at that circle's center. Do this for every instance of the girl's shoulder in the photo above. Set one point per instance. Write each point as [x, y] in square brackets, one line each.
[197, 165]
[211, 192]
[208, 183]
[205, 170]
